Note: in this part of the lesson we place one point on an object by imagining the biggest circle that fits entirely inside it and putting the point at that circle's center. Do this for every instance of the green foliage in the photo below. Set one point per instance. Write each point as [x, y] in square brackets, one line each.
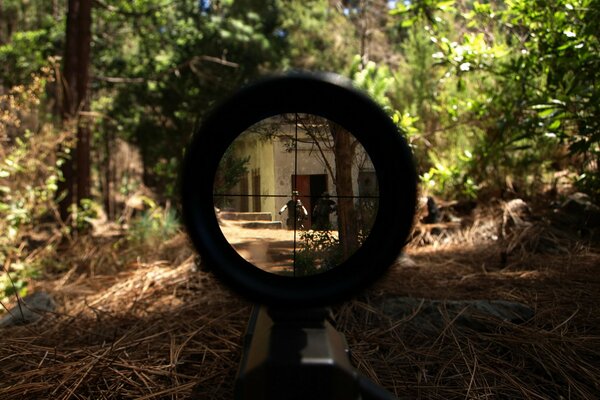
[564, 48]
[153, 226]
[416, 95]
[28, 180]
[512, 83]
[309, 40]
[84, 213]
[451, 178]
[182, 58]
[166, 172]
[14, 281]
[28, 167]
[26, 53]
[319, 251]
[375, 80]
[30, 33]
[515, 81]
[230, 172]
[414, 11]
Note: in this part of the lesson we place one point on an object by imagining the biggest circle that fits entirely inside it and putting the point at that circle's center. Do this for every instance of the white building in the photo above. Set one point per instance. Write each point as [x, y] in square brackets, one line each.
[276, 166]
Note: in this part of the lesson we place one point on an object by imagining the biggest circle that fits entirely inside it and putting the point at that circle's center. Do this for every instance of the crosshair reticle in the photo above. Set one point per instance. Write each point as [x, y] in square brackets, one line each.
[298, 190]
[296, 194]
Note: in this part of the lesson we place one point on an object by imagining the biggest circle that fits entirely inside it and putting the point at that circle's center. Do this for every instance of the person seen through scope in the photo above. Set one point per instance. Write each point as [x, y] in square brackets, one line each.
[296, 211]
[323, 208]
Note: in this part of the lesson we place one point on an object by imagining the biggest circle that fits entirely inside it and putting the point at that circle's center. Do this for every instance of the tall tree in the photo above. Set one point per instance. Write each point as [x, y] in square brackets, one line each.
[76, 170]
[344, 146]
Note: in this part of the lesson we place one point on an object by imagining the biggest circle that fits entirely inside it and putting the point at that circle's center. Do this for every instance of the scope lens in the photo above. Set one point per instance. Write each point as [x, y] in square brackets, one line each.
[296, 194]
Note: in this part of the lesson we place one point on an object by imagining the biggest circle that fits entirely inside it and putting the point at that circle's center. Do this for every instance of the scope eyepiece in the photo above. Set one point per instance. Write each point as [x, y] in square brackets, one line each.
[298, 190]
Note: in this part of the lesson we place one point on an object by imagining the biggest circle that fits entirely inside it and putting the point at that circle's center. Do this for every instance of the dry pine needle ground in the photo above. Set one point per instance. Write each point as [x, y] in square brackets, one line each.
[156, 327]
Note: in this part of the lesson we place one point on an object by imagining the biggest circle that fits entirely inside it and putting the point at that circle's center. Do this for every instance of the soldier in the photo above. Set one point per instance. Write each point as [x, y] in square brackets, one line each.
[323, 208]
[295, 209]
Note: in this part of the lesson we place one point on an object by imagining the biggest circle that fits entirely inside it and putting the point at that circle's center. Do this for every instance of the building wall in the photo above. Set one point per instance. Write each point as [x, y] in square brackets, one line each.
[262, 161]
[276, 164]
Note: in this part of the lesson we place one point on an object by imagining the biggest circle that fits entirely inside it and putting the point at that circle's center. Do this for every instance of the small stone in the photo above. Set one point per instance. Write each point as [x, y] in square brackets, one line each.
[517, 214]
[31, 308]
[405, 261]
[431, 316]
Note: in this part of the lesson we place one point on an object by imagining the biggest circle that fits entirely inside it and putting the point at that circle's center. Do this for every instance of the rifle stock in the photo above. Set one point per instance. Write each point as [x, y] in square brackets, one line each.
[298, 354]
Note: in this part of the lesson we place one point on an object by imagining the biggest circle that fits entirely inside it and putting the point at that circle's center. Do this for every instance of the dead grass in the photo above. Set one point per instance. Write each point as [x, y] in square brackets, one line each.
[147, 324]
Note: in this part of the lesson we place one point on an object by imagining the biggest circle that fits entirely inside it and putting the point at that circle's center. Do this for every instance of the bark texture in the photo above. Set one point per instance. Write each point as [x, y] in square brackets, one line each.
[76, 169]
[347, 216]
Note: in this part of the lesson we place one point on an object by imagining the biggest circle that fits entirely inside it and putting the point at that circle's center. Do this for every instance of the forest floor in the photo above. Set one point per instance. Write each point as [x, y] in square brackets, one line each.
[146, 322]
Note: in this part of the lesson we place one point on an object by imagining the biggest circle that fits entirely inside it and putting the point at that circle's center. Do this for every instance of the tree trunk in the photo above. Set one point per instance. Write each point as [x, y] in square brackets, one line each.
[76, 169]
[347, 218]
[83, 131]
[107, 181]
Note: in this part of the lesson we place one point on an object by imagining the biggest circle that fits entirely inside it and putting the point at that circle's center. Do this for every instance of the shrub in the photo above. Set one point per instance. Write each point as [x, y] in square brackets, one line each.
[29, 173]
[319, 251]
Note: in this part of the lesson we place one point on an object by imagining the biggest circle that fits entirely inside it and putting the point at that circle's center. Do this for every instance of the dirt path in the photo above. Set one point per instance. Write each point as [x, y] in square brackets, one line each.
[269, 249]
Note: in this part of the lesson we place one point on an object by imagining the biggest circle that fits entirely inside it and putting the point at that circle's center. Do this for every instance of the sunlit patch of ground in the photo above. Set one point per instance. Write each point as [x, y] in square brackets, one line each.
[272, 250]
[269, 249]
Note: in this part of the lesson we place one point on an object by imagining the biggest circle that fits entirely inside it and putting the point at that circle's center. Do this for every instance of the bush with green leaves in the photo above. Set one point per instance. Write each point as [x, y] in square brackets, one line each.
[153, 225]
[319, 251]
[451, 178]
[516, 83]
[29, 172]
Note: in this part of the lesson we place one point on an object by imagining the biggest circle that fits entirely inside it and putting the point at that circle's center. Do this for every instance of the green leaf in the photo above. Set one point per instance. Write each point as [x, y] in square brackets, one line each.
[445, 5]
[554, 125]
[407, 23]
[545, 113]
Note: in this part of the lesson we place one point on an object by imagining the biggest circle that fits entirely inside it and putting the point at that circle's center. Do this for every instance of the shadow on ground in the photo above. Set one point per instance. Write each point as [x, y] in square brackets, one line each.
[160, 327]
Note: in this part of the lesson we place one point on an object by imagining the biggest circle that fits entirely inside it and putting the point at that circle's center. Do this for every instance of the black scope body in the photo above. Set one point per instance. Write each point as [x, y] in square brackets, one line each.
[301, 117]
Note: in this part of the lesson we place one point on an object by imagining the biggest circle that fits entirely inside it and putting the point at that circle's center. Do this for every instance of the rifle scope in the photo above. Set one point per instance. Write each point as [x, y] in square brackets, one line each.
[298, 190]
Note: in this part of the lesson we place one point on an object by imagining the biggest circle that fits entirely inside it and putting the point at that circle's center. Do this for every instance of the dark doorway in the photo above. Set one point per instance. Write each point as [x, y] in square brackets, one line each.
[310, 187]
